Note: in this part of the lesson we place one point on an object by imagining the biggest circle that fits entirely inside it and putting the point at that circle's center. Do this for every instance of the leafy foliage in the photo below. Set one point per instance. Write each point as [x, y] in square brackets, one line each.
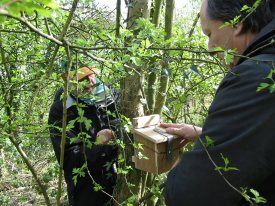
[31, 7]
[31, 70]
[226, 167]
[253, 195]
[270, 85]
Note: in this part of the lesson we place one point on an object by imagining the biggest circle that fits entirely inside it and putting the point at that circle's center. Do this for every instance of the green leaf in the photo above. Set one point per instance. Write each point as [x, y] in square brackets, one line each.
[262, 86]
[137, 61]
[270, 74]
[245, 7]
[217, 49]
[88, 123]
[272, 88]
[145, 43]
[225, 168]
[79, 172]
[229, 56]
[2, 19]
[70, 125]
[225, 159]
[254, 192]
[257, 198]
[15, 9]
[208, 142]
[80, 112]
[49, 3]
[43, 12]
[97, 187]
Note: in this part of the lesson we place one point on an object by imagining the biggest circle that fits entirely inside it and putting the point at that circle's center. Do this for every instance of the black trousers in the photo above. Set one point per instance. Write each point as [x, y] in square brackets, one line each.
[85, 192]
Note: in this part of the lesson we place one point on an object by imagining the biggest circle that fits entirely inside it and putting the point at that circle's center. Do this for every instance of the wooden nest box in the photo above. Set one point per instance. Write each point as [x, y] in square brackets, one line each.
[155, 150]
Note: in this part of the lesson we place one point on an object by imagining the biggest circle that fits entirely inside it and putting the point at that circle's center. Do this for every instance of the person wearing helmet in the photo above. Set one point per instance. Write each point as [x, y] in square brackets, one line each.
[92, 123]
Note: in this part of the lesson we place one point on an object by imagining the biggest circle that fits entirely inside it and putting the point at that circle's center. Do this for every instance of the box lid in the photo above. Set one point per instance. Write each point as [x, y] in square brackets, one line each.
[153, 133]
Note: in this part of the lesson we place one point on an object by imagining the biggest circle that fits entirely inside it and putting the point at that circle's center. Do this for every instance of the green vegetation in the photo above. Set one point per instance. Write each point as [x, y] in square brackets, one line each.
[38, 36]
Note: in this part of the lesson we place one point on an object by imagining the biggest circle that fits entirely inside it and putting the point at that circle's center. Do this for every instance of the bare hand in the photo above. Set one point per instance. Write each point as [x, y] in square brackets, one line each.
[185, 131]
[104, 136]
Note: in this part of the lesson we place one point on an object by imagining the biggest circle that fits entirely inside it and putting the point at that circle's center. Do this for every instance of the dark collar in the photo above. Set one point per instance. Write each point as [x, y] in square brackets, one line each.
[262, 41]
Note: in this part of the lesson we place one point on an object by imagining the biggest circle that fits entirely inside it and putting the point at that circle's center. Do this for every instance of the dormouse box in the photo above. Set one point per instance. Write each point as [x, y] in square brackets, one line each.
[159, 150]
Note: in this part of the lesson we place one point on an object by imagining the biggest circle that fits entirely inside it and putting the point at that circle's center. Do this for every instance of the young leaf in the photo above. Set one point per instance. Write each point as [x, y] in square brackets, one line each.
[262, 86]
[208, 142]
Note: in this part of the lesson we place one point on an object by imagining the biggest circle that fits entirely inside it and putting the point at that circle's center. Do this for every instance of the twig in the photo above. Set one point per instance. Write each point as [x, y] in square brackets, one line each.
[215, 165]
[194, 25]
[31, 26]
[64, 126]
[101, 60]
[148, 195]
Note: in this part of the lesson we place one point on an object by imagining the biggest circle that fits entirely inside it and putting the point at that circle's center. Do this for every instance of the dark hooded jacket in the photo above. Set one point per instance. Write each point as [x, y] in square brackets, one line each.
[241, 122]
[100, 159]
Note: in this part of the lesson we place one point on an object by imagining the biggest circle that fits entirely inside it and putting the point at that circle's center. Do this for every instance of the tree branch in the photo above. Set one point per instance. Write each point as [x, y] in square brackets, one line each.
[24, 21]
[101, 60]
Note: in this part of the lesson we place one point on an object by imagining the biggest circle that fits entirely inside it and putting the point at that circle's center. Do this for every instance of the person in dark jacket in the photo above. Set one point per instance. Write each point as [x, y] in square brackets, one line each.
[91, 124]
[241, 118]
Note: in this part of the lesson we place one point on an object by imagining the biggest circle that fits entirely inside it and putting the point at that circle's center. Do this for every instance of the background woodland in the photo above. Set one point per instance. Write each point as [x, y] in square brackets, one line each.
[155, 56]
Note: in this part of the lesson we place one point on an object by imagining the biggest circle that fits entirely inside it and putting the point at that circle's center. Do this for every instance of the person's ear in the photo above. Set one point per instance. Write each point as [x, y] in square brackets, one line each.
[238, 29]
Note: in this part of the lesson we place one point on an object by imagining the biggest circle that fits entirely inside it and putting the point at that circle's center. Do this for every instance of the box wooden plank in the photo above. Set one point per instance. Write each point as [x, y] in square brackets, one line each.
[149, 133]
[146, 121]
[153, 155]
[155, 152]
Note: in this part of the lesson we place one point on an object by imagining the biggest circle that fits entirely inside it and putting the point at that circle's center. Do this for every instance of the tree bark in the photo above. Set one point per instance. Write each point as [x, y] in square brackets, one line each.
[164, 78]
[118, 17]
[131, 106]
[153, 77]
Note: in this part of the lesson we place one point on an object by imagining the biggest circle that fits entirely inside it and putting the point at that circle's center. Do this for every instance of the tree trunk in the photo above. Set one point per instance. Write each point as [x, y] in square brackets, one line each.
[152, 80]
[118, 17]
[131, 106]
[164, 78]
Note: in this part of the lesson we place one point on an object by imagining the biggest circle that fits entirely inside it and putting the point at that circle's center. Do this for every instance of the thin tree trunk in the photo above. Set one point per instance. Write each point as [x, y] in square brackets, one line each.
[164, 78]
[169, 16]
[152, 80]
[157, 12]
[118, 17]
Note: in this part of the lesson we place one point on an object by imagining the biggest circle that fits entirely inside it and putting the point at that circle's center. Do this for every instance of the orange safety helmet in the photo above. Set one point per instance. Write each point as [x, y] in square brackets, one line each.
[81, 73]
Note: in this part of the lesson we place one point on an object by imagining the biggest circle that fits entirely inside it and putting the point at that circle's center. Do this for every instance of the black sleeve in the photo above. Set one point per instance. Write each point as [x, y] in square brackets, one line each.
[241, 124]
[55, 125]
